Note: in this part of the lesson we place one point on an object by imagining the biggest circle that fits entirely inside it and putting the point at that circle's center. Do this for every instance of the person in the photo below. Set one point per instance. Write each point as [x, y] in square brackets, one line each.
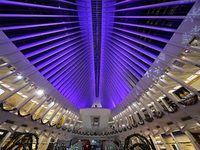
[87, 145]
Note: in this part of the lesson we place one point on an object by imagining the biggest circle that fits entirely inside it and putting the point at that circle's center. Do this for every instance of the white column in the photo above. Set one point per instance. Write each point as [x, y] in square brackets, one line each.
[22, 103]
[73, 127]
[29, 107]
[59, 117]
[38, 106]
[54, 113]
[66, 117]
[51, 106]
[128, 119]
[192, 139]
[116, 126]
[5, 138]
[13, 92]
[155, 143]
[164, 142]
[155, 106]
[177, 143]
[38, 111]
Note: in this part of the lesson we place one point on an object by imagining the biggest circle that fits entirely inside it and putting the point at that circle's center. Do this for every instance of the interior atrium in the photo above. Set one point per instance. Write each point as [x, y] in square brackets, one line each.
[123, 74]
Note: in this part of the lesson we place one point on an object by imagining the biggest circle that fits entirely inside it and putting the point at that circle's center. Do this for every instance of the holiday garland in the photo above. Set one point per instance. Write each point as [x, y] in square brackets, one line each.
[143, 143]
[22, 141]
[2, 107]
[189, 100]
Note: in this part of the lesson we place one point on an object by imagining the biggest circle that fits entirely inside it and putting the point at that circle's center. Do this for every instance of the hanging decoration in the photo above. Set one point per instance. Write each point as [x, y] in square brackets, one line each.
[59, 125]
[148, 118]
[142, 143]
[141, 121]
[186, 97]
[172, 107]
[22, 141]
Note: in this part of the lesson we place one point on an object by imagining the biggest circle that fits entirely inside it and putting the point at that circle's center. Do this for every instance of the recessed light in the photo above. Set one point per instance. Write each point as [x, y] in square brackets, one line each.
[39, 92]
[19, 76]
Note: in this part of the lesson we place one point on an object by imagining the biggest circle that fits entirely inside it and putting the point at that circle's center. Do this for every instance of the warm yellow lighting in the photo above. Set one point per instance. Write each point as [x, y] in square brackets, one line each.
[192, 77]
[177, 87]
[198, 72]
[183, 57]
[171, 91]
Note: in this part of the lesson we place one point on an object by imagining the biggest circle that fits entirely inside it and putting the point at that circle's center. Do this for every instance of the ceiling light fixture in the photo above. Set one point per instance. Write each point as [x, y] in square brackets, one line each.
[171, 91]
[40, 92]
[24, 96]
[192, 77]
[183, 57]
[19, 76]
[186, 50]
[177, 87]
[198, 72]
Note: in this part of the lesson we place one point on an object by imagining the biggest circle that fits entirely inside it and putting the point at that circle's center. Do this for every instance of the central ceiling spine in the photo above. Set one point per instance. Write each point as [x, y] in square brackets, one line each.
[97, 25]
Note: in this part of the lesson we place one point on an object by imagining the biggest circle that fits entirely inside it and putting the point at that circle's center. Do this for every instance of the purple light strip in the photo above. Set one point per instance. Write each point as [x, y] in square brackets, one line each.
[132, 66]
[34, 5]
[79, 83]
[137, 41]
[41, 33]
[131, 59]
[79, 80]
[150, 17]
[73, 70]
[75, 82]
[79, 86]
[43, 41]
[70, 78]
[119, 3]
[65, 54]
[143, 34]
[30, 15]
[60, 42]
[63, 1]
[114, 86]
[77, 89]
[147, 26]
[111, 94]
[122, 70]
[73, 78]
[139, 49]
[47, 69]
[132, 52]
[113, 81]
[55, 51]
[61, 69]
[156, 5]
[136, 71]
[125, 73]
[67, 58]
[36, 25]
